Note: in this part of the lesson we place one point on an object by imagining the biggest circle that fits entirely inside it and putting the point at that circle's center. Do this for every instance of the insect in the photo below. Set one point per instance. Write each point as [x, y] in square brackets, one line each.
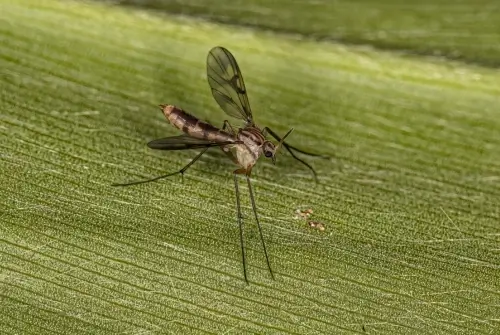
[244, 145]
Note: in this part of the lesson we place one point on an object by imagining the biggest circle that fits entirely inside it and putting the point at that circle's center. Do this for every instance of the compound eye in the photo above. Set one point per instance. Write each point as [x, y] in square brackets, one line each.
[268, 154]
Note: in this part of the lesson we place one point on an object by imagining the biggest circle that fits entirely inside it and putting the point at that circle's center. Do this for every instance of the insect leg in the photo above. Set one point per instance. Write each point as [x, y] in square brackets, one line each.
[289, 148]
[258, 225]
[181, 171]
[227, 125]
[240, 224]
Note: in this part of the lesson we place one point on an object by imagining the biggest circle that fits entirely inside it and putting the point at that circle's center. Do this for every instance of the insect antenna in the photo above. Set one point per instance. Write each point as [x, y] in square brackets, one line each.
[291, 148]
[281, 141]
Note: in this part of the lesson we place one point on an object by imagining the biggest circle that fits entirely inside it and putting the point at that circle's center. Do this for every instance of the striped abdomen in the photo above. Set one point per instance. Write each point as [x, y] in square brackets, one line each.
[193, 126]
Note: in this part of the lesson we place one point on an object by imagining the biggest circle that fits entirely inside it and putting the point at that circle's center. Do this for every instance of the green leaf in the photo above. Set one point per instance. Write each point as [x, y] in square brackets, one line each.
[456, 29]
[409, 200]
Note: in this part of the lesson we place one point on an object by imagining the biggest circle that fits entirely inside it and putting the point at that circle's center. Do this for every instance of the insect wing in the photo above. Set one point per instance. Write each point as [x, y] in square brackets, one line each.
[226, 82]
[183, 142]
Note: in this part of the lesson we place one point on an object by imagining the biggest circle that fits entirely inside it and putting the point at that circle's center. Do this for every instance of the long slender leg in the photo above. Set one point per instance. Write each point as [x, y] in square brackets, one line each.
[227, 125]
[240, 224]
[288, 146]
[181, 171]
[258, 225]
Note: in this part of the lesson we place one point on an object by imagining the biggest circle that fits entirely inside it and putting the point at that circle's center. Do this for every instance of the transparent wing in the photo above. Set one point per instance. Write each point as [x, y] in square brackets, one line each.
[226, 82]
[183, 142]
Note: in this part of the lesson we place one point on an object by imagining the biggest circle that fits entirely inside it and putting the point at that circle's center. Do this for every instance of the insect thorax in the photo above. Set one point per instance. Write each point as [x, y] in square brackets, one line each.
[247, 153]
[251, 136]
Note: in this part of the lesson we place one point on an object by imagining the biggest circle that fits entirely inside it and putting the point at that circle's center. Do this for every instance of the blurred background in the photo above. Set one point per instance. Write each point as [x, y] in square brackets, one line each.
[464, 29]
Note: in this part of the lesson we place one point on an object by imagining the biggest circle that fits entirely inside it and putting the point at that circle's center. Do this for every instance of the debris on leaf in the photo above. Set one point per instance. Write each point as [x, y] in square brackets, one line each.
[316, 225]
[305, 214]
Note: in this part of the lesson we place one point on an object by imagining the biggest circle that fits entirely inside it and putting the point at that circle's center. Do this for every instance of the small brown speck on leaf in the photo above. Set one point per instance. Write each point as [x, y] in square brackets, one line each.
[305, 215]
[316, 225]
